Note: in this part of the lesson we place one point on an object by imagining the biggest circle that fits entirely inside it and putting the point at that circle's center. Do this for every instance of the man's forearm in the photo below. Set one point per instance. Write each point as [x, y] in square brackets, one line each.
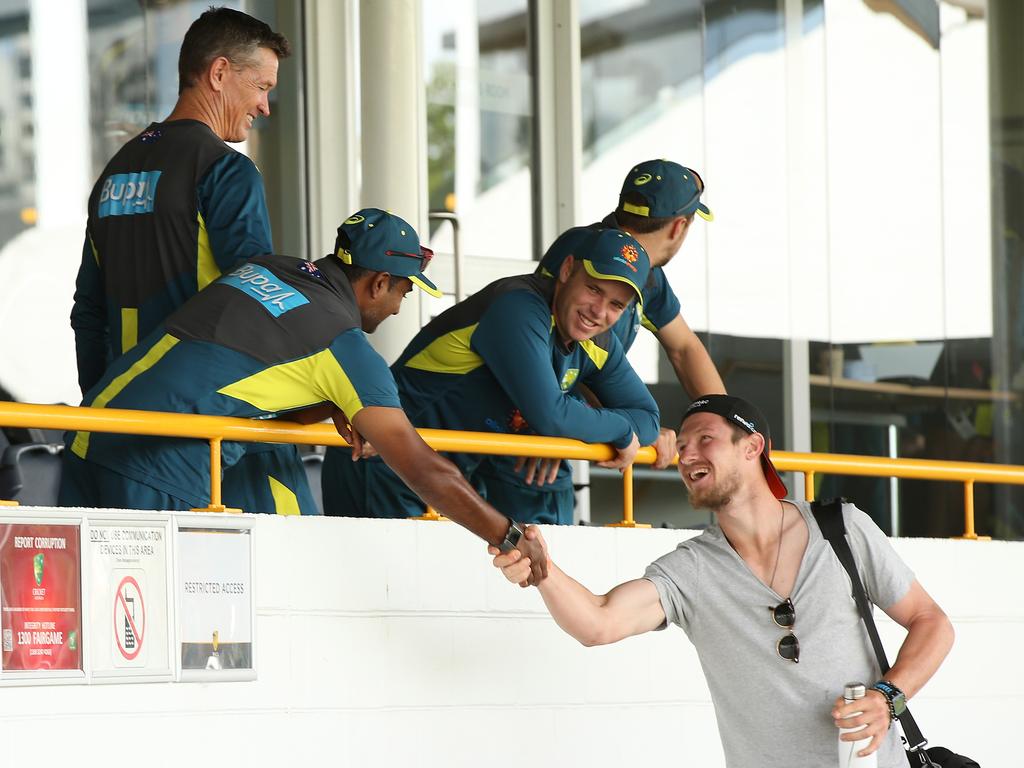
[574, 608]
[442, 486]
[695, 370]
[929, 639]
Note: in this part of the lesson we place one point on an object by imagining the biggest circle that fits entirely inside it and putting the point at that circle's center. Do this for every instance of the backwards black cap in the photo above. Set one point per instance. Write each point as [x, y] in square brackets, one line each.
[747, 417]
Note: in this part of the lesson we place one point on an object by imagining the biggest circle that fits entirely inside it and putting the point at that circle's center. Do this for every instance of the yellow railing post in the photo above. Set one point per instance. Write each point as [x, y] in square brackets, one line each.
[215, 502]
[627, 502]
[969, 532]
[215, 472]
[809, 485]
[430, 514]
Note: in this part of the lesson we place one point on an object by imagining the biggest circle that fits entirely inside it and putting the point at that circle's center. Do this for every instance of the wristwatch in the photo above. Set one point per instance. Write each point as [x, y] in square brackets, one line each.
[512, 536]
[894, 697]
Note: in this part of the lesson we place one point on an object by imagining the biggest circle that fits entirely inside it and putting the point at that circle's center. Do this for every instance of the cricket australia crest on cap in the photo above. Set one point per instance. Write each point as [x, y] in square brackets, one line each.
[630, 254]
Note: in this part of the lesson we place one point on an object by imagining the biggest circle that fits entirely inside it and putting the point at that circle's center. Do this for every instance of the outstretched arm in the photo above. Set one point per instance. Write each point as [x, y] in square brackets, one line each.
[439, 483]
[629, 609]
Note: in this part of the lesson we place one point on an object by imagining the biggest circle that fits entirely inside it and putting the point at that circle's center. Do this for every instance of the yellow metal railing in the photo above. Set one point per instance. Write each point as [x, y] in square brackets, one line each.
[215, 429]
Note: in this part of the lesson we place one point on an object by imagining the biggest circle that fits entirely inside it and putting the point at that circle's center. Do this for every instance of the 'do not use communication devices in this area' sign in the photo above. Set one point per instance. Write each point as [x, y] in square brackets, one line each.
[129, 601]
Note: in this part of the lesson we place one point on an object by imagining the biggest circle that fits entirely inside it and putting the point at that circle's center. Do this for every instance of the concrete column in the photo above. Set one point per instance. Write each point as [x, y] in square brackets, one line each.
[394, 157]
[331, 71]
[558, 134]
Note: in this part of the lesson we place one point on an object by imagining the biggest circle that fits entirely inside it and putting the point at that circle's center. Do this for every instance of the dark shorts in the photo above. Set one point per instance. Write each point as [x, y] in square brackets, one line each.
[269, 479]
[85, 484]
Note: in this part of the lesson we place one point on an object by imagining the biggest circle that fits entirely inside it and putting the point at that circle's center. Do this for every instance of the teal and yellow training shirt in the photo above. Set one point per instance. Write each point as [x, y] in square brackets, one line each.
[273, 335]
[495, 363]
[172, 210]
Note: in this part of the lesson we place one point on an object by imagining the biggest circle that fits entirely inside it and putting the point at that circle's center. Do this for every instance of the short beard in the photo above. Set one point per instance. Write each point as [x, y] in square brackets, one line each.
[717, 497]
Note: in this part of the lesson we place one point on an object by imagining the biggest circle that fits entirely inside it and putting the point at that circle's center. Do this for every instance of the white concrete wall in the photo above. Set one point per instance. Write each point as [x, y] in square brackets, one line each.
[394, 643]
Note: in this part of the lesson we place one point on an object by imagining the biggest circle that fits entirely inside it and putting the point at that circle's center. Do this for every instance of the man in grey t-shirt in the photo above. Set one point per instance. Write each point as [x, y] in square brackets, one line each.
[766, 604]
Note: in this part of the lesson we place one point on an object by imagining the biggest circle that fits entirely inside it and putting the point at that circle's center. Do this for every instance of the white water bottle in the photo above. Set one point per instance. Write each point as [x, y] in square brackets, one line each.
[848, 749]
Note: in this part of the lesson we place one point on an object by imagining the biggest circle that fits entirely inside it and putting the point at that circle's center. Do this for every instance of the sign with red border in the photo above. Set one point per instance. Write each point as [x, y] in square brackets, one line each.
[40, 597]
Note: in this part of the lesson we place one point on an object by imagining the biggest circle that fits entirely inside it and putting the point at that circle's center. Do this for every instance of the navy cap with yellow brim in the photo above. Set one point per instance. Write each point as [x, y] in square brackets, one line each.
[611, 254]
[749, 418]
[660, 189]
[382, 242]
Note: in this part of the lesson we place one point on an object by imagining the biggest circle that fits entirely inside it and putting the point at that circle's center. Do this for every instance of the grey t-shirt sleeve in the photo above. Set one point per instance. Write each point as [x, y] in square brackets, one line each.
[886, 577]
[676, 576]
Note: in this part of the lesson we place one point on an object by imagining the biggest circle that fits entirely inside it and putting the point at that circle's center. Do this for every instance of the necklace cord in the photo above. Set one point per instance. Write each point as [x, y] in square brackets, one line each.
[778, 552]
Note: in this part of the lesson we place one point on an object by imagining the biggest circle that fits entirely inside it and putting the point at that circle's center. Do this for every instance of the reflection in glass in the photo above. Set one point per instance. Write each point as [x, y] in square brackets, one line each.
[17, 148]
[479, 120]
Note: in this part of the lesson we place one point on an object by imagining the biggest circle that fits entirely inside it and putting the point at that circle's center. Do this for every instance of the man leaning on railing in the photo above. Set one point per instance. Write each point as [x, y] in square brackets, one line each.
[510, 359]
[276, 335]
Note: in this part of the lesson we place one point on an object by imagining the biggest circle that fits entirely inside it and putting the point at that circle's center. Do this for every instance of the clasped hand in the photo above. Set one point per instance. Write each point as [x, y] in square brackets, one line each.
[520, 565]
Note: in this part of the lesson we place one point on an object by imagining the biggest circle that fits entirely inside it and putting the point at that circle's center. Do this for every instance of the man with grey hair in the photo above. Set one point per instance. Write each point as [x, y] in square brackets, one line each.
[174, 209]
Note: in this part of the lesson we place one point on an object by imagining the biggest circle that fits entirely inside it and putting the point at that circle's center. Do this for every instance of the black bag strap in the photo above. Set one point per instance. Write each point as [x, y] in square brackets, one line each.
[829, 516]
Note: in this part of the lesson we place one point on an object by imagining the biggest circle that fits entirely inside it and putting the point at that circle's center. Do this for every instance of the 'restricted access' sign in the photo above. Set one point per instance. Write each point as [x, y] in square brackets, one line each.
[215, 602]
[40, 597]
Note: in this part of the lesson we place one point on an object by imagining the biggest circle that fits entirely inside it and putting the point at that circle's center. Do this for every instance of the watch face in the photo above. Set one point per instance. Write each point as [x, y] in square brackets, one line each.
[899, 703]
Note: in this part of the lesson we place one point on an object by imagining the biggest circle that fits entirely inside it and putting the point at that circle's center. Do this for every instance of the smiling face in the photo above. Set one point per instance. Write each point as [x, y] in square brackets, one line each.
[585, 306]
[245, 90]
[713, 455]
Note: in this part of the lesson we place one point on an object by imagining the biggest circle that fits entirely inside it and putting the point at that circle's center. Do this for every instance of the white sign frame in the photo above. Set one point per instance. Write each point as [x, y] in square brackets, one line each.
[160, 604]
[213, 522]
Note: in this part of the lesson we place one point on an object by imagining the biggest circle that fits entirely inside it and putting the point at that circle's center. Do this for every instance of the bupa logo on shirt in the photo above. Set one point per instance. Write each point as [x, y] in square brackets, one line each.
[125, 194]
[275, 296]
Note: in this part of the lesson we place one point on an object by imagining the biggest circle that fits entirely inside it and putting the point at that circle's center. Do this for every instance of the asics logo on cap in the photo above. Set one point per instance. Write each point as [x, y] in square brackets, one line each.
[748, 424]
[642, 179]
[357, 219]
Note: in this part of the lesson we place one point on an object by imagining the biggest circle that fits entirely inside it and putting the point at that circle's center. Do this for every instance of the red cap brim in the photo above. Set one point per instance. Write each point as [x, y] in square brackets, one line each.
[771, 474]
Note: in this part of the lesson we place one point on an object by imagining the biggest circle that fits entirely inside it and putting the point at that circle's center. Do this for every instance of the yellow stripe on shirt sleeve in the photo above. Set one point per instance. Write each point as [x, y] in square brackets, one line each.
[296, 384]
[595, 353]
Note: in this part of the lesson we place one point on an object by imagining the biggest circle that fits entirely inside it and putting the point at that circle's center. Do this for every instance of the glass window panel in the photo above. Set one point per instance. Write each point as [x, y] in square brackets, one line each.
[133, 68]
[479, 124]
[17, 150]
[131, 52]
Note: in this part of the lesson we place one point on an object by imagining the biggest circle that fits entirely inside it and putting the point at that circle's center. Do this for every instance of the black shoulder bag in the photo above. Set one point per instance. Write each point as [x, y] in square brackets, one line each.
[829, 515]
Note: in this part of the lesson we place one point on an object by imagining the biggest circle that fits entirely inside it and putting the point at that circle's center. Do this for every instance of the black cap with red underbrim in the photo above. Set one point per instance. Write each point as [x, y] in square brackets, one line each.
[749, 418]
